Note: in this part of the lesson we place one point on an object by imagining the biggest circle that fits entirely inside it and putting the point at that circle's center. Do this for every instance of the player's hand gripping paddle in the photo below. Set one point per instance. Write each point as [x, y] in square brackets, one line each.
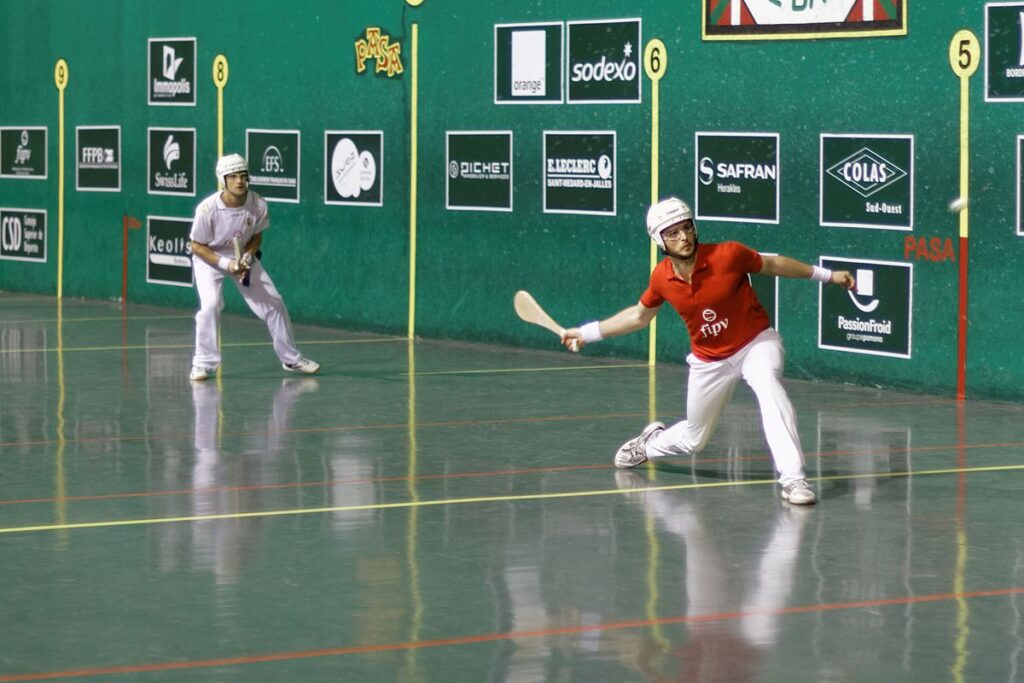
[240, 261]
[530, 311]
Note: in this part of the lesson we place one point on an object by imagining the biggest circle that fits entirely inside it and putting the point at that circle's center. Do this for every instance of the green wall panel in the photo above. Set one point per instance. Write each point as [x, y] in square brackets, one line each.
[292, 66]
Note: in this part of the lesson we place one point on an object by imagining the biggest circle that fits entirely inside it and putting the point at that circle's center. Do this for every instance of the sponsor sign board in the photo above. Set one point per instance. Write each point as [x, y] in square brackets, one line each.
[603, 64]
[875, 319]
[528, 63]
[171, 160]
[169, 251]
[479, 170]
[767, 291]
[867, 181]
[23, 152]
[23, 235]
[354, 165]
[737, 177]
[1020, 185]
[787, 19]
[274, 163]
[1004, 52]
[171, 77]
[98, 158]
[579, 172]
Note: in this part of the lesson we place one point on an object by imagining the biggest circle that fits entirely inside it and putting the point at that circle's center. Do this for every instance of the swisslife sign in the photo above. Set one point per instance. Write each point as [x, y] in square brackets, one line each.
[788, 19]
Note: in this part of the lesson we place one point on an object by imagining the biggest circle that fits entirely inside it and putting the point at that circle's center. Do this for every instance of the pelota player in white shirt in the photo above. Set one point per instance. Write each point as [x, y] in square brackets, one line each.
[235, 212]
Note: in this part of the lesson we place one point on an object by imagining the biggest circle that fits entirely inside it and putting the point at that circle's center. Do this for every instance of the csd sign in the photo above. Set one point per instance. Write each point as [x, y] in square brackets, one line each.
[23, 235]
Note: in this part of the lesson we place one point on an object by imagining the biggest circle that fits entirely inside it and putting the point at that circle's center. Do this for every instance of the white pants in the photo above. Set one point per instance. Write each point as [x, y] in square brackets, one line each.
[709, 387]
[262, 298]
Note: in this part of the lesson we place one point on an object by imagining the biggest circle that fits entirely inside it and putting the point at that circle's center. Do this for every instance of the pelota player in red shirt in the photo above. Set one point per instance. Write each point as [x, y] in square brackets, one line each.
[730, 339]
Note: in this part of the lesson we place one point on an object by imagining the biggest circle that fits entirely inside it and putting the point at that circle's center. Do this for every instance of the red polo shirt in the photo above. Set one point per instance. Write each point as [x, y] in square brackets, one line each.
[719, 306]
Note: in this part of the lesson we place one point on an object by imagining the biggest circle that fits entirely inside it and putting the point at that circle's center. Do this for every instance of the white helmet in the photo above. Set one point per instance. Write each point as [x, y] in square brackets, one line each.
[231, 163]
[665, 213]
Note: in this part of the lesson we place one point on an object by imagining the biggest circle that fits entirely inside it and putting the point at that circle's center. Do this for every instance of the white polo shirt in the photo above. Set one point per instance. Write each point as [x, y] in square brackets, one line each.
[215, 223]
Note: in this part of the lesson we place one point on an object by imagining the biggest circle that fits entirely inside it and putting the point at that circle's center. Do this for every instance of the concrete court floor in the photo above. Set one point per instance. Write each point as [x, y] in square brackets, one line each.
[449, 512]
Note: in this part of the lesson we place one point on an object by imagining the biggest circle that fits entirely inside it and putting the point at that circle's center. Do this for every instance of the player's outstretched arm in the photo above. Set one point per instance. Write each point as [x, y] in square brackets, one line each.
[784, 266]
[627, 320]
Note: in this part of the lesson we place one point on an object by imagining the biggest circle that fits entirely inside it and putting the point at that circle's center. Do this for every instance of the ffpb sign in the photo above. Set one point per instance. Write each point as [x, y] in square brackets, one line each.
[98, 158]
[528, 64]
[875, 319]
[23, 235]
[867, 181]
[737, 177]
[274, 163]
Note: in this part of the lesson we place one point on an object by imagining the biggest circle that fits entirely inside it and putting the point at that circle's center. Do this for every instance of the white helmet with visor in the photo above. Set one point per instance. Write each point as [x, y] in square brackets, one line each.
[665, 213]
[231, 163]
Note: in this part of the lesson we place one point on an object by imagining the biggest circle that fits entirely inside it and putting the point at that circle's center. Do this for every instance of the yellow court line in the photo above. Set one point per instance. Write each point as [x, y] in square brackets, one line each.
[414, 93]
[141, 347]
[487, 499]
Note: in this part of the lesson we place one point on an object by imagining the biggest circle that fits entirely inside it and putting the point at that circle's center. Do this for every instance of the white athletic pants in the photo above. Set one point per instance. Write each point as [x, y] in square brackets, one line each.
[710, 385]
[262, 298]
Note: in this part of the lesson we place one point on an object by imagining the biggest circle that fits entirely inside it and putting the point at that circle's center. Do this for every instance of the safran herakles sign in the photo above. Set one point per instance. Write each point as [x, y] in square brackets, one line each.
[787, 19]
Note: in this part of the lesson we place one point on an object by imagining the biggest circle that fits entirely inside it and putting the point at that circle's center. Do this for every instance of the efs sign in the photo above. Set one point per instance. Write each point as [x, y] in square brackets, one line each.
[274, 163]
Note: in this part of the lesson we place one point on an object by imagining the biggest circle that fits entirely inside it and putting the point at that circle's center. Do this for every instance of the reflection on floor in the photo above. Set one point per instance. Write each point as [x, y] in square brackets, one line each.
[440, 511]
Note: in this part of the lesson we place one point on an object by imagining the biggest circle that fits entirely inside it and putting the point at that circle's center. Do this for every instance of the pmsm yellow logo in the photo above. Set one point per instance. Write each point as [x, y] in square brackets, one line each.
[380, 48]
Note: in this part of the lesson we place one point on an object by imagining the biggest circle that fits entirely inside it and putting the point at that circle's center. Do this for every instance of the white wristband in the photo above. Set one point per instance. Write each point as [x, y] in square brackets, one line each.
[591, 332]
[821, 274]
[224, 262]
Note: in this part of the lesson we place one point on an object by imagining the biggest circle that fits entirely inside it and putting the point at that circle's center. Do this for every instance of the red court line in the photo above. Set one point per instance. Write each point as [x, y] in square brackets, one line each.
[494, 637]
[485, 473]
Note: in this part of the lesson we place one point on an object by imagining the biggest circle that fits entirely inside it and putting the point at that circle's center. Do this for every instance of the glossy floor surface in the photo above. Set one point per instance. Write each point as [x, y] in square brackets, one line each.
[449, 512]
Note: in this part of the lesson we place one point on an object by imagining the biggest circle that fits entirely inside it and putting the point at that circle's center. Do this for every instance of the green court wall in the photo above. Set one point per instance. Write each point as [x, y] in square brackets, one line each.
[292, 66]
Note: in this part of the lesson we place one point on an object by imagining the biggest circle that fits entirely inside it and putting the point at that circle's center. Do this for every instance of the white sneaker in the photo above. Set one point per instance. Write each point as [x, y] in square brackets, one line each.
[799, 492]
[634, 451]
[200, 373]
[303, 365]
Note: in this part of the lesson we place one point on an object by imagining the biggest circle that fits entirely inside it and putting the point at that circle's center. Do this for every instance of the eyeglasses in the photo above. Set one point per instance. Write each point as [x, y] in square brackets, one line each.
[676, 232]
